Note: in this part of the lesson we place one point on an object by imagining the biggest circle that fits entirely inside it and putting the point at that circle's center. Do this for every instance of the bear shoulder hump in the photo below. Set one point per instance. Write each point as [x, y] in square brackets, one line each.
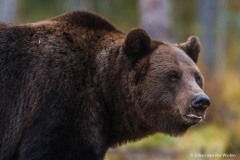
[85, 19]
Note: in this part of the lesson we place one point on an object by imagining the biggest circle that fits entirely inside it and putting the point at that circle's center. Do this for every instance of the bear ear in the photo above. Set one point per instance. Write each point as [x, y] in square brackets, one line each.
[137, 44]
[191, 47]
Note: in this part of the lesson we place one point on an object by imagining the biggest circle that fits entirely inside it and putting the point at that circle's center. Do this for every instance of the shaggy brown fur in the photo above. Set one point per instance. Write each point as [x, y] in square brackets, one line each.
[74, 85]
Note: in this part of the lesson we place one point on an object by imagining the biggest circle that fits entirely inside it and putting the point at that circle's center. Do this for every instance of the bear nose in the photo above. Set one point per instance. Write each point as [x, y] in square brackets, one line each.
[200, 102]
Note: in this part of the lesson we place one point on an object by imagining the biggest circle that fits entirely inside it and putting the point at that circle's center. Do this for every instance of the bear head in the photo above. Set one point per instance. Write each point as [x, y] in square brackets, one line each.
[166, 85]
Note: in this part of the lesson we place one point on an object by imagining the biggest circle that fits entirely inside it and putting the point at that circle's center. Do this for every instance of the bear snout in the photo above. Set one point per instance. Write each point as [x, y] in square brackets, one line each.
[200, 102]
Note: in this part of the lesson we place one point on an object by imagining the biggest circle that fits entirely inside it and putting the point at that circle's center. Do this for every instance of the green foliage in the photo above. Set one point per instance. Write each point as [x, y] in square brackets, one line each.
[123, 14]
[153, 142]
[184, 18]
[36, 10]
[206, 139]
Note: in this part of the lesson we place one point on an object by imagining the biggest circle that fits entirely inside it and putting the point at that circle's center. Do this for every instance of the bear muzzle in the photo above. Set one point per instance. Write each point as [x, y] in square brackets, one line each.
[198, 107]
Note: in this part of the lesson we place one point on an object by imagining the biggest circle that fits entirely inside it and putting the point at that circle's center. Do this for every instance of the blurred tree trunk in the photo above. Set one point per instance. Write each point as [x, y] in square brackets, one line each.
[207, 15]
[221, 37]
[8, 10]
[155, 18]
[213, 17]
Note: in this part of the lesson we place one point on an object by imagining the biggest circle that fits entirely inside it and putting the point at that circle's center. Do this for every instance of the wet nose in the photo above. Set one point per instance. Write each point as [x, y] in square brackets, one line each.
[200, 102]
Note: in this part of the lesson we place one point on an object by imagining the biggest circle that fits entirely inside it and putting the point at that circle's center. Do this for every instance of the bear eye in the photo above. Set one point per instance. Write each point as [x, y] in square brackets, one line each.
[198, 79]
[174, 76]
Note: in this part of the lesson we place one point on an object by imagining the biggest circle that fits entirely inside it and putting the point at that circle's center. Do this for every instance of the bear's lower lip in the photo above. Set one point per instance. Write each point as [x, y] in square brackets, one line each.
[192, 119]
[194, 116]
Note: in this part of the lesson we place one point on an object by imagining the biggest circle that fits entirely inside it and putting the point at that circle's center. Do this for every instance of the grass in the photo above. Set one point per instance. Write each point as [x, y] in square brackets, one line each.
[205, 139]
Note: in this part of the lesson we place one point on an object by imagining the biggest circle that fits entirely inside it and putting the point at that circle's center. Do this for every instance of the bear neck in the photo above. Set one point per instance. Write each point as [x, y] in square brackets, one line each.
[122, 126]
[128, 129]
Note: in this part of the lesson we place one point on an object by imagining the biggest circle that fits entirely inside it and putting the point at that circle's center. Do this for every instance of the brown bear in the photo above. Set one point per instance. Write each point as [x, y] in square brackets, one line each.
[74, 85]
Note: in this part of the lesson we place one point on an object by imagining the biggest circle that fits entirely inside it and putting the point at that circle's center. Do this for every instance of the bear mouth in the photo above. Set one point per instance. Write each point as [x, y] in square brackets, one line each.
[193, 118]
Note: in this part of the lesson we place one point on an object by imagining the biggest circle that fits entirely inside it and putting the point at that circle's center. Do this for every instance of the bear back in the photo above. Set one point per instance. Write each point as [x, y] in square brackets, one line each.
[85, 19]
